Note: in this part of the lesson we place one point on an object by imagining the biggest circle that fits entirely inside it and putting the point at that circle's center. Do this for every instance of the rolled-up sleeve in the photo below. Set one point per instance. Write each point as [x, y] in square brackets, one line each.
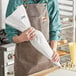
[10, 31]
[54, 20]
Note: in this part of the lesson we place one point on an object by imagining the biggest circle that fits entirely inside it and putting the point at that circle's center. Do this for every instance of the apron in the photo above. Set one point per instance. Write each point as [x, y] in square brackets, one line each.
[27, 59]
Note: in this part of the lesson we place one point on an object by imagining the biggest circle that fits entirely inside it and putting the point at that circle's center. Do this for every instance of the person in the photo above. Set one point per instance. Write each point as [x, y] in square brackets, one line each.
[27, 59]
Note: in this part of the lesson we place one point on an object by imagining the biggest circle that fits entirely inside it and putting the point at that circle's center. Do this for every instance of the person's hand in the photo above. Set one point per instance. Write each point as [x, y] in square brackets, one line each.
[55, 57]
[27, 35]
[53, 45]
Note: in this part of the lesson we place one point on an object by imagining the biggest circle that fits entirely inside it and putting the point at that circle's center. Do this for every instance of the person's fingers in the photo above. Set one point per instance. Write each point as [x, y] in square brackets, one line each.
[27, 31]
[32, 33]
[58, 60]
[55, 57]
[32, 37]
[30, 30]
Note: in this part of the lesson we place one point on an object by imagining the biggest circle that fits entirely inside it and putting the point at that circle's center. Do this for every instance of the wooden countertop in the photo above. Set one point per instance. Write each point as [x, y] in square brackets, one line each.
[52, 69]
[44, 72]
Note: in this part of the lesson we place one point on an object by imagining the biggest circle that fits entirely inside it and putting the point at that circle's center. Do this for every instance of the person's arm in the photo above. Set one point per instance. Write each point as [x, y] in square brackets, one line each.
[27, 35]
[55, 23]
[11, 32]
[53, 45]
[12, 5]
[54, 26]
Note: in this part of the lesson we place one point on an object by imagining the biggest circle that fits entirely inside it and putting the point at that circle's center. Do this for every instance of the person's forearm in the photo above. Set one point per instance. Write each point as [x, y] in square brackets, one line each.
[53, 45]
[27, 35]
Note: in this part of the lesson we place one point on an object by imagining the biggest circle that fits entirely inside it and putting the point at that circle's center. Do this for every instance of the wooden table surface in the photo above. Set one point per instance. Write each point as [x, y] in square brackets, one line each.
[52, 69]
[44, 72]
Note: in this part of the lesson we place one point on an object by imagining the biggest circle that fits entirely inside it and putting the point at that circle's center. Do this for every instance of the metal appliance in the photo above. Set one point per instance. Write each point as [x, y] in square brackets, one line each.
[6, 55]
[7, 59]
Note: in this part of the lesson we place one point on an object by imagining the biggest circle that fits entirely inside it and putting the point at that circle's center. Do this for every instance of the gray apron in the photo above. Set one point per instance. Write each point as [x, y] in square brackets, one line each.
[27, 59]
